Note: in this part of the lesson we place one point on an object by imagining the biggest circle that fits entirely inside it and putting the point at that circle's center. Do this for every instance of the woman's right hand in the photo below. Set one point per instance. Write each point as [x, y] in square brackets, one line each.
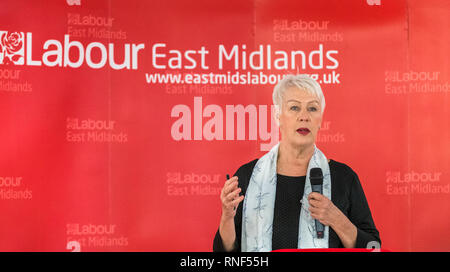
[230, 198]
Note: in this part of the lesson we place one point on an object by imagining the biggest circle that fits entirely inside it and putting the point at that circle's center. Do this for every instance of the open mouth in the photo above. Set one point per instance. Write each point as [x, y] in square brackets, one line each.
[303, 131]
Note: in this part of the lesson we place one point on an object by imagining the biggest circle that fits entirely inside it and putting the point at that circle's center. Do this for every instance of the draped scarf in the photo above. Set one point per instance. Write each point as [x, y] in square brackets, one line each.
[259, 203]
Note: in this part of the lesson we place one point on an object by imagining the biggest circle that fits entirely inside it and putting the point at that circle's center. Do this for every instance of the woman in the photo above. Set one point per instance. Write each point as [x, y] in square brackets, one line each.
[279, 210]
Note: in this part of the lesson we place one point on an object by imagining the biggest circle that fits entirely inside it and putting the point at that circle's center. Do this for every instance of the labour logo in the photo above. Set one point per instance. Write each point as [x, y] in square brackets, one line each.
[74, 2]
[12, 47]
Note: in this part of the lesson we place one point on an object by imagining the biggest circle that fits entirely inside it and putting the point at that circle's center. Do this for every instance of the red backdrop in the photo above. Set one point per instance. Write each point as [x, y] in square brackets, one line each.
[120, 119]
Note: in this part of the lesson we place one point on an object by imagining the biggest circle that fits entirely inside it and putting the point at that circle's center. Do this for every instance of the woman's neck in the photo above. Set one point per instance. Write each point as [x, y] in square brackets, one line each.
[293, 161]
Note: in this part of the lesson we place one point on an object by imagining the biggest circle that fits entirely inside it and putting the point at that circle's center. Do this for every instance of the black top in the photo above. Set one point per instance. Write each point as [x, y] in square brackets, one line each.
[346, 193]
[286, 213]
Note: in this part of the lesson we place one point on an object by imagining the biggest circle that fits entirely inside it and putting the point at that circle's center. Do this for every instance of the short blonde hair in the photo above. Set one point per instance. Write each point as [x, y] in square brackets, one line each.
[303, 82]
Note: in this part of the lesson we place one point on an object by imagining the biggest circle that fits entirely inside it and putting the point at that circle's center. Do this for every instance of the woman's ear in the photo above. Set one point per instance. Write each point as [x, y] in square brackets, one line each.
[276, 115]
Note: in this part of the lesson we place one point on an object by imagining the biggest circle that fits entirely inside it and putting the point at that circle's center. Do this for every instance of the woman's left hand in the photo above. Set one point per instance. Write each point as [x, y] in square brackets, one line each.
[322, 209]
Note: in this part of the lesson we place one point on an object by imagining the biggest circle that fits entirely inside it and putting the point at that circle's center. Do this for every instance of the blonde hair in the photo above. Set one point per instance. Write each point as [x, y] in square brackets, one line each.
[303, 82]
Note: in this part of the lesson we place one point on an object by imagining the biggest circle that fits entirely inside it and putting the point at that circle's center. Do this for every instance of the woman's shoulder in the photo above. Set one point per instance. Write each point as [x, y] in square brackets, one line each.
[341, 169]
[244, 174]
[247, 168]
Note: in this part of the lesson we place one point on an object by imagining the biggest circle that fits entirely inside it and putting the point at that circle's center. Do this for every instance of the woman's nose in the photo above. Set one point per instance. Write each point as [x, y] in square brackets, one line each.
[303, 116]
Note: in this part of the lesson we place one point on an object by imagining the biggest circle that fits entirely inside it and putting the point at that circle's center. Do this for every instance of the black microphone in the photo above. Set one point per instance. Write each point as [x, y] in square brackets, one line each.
[316, 178]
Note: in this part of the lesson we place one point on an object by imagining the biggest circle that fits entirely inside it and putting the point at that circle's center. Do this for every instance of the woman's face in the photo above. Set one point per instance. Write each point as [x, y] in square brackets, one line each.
[300, 117]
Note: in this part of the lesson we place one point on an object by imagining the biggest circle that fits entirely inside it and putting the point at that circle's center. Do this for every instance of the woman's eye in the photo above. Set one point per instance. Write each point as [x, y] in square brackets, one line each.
[295, 108]
[312, 109]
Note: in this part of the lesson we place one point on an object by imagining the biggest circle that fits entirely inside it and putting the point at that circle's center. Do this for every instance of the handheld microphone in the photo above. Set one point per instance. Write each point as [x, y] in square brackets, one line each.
[316, 178]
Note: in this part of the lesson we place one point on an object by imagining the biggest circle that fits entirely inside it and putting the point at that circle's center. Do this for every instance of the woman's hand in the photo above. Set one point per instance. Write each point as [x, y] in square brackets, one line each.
[230, 198]
[322, 209]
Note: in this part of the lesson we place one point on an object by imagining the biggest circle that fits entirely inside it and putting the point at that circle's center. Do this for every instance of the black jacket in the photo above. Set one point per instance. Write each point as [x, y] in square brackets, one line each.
[346, 193]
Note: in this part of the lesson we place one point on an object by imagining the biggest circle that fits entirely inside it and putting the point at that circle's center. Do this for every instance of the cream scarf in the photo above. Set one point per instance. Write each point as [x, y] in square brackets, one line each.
[259, 203]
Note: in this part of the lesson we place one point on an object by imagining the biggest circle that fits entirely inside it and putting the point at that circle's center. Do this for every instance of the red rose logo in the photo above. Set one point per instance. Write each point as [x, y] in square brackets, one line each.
[12, 43]
[11, 47]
